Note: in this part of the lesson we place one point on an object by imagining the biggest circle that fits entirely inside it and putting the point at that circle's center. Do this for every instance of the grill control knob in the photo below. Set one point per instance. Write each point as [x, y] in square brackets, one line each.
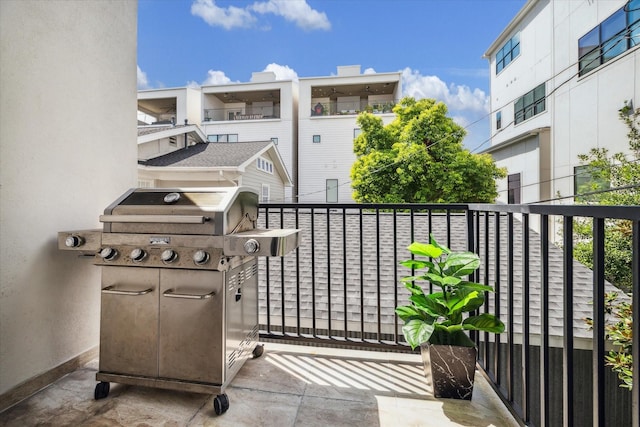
[251, 246]
[108, 254]
[138, 255]
[200, 257]
[73, 241]
[169, 255]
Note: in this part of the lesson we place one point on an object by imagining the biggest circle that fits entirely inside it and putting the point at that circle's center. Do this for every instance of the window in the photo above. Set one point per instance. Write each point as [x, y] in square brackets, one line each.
[509, 51]
[173, 140]
[586, 181]
[275, 141]
[499, 120]
[513, 189]
[264, 195]
[356, 132]
[530, 104]
[264, 165]
[614, 36]
[332, 191]
[316, 139]
[230, 137]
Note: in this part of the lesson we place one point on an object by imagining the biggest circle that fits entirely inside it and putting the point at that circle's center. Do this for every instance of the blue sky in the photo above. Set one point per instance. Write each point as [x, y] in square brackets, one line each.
[437, 44]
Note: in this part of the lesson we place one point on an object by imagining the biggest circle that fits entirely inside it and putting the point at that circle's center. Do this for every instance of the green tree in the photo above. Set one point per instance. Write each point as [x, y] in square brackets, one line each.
[622, 173]
[419, 158]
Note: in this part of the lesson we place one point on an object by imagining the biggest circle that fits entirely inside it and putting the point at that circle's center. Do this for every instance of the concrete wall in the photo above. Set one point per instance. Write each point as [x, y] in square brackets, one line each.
[72, 67]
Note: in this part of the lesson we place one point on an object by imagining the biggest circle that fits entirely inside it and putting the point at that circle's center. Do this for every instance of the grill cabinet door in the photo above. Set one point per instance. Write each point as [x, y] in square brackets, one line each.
[192, 325]
[129, 321]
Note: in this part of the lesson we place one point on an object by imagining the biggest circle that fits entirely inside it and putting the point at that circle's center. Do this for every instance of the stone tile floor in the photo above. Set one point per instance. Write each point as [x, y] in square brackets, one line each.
[288, 386]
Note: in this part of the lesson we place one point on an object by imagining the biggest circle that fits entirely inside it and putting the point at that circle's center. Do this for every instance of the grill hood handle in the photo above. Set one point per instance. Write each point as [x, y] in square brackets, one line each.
[166, 219]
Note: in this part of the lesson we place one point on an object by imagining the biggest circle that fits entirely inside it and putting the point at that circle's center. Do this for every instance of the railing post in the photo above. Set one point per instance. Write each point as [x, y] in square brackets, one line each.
[526, 355]
[635, 351]
[567, 354]
[544, 321]
[598, 323]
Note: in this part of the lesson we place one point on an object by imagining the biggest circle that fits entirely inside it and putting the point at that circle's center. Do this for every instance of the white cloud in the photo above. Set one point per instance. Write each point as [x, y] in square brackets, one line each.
[296, 11]
[457, 97]
[215, 77]
[282, 72]
[369, 71]
[227, 18]
[143, 81]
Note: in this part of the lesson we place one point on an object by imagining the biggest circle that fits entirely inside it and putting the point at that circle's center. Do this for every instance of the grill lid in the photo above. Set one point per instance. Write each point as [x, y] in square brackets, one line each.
[209, 211]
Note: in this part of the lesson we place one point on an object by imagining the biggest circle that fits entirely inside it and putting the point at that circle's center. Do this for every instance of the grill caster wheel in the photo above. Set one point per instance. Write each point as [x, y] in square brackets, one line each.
[257, 352]
[220, 404]
[102, 390]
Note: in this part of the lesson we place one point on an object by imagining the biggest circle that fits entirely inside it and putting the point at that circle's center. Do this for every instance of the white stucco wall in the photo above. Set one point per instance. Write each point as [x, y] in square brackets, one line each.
[71, 68]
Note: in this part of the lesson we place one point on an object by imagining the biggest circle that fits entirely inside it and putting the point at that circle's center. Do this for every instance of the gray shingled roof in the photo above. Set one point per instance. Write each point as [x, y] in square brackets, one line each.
[378, 261]
[220, 154]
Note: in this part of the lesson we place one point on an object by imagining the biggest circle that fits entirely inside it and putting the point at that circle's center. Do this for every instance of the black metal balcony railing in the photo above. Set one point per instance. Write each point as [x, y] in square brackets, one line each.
[338, 108]
[341, 286]
[247, 112]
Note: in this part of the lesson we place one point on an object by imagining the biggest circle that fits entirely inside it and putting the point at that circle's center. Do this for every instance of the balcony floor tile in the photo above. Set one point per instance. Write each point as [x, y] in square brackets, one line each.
[289, 385]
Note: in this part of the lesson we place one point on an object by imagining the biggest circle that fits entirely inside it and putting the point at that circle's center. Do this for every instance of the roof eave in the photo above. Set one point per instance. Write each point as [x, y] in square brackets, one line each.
[510, 27]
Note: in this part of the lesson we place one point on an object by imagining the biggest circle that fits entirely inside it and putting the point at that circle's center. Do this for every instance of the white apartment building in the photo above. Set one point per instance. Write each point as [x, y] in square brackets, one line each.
[262, 109]
[560, 73]
[327, 115]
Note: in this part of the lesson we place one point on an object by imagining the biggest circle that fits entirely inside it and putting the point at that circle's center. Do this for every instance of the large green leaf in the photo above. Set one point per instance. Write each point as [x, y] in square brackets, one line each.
[423, 249]
[407, 312]
[442, 280]
[417, 264]
[461, 264]
[433, 241]
[430, 304]
[416, 332]
[472, 286]
[464, 300]
[485, 322]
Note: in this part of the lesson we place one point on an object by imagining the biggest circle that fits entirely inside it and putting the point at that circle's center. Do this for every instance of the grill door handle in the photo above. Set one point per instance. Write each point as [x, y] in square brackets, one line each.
[170, 293]
[111, 290]
[166, 219]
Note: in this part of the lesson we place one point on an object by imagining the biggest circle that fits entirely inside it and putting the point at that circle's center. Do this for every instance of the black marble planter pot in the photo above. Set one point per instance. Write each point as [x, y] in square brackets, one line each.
[450, 369]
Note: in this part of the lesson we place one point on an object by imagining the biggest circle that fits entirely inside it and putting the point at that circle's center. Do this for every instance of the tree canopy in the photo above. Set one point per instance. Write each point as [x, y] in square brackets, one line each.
[419, 158]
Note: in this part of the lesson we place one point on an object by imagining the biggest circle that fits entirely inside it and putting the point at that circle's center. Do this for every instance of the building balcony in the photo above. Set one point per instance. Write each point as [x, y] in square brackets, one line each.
[335, 354]
[345, 108]
[247, 112]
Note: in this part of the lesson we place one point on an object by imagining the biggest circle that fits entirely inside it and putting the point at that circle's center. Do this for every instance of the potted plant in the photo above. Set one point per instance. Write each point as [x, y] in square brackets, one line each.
[436, 321]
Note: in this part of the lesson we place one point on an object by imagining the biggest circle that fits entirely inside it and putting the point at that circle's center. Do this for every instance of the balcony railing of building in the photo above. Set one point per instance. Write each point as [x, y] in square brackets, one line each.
[341, 286]
[338, 108]
[248, 112]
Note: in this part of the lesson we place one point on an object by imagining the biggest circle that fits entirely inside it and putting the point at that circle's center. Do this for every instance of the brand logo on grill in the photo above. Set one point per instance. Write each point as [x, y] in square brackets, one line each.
[159, 240]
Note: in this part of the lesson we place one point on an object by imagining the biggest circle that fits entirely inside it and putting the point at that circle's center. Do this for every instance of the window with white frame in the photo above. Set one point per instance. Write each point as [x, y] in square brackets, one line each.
[356, 132]
[332, 190]
[264, 195]
[499, 120]
[316, 139]
[508, 52]
[264, 165]
[226, 137]
[274, 140]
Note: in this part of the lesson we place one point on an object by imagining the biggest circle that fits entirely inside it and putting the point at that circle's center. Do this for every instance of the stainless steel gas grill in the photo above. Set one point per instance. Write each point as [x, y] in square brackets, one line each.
[179, 304]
